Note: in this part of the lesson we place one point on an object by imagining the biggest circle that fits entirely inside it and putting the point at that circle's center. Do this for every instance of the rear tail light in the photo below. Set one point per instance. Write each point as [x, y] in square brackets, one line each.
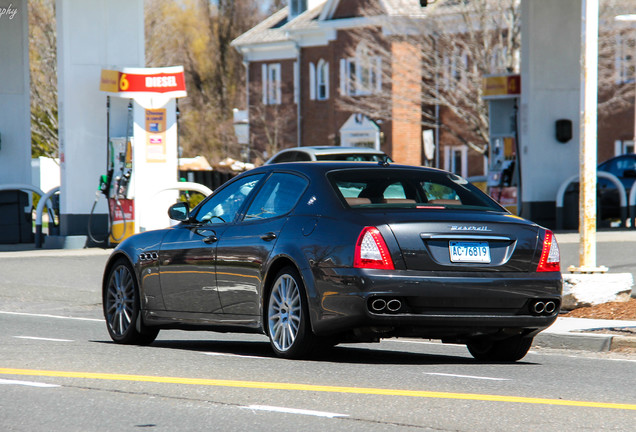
[371, 251]
[550, 257]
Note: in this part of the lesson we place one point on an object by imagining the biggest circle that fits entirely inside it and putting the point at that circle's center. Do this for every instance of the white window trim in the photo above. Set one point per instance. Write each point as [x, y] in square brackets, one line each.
[312, 81]
[625, 59]
[296, 83]
[271, 79]
[322, 79]
[623, 147]
[352, 72]
[449, 159]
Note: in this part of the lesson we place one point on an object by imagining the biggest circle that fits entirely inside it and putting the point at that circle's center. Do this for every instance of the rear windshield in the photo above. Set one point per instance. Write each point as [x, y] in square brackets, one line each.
[353, 157]
[402, 188]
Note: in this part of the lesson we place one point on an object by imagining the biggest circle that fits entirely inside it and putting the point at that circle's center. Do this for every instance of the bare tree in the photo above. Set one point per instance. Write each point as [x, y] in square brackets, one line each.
[43, 71]
[272, 128]
[456, 44]
[617, 58]
[197, 35]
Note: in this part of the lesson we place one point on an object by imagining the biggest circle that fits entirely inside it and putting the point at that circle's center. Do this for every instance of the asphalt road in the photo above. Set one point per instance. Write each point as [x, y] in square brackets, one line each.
[59, 371]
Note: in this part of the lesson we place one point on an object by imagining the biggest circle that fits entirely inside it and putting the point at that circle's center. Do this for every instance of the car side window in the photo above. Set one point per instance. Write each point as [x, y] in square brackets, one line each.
[302, 157]
[289, 156]
[278, 196]
[223, 206]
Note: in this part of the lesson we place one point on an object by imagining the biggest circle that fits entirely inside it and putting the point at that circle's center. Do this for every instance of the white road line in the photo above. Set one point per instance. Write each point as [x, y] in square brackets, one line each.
[50, 316]
[467, 376]
[295, 411]
[218, 354]
[43, 339]
[27, 383]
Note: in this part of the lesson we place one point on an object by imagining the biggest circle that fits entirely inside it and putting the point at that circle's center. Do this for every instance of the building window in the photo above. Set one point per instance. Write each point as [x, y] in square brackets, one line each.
[625, 62]
[455, 160]
[361, 75]
[319, 80]
[296, 7]
[322, 84]
[455, 69]
[623, 147]
[271, 84]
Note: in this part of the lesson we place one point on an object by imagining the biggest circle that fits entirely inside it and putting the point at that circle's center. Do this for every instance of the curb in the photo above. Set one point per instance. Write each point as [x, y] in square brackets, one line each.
[584, 342]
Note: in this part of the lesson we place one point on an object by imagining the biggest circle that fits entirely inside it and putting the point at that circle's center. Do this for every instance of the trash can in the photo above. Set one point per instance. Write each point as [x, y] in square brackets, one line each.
[16, 221]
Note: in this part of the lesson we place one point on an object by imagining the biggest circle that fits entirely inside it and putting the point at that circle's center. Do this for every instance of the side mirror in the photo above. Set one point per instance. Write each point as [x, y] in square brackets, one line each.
[179, 211]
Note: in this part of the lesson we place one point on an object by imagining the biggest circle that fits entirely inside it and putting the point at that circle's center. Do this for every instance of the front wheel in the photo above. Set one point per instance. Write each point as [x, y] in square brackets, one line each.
[122, 307]
[506, 350]
[288, 324]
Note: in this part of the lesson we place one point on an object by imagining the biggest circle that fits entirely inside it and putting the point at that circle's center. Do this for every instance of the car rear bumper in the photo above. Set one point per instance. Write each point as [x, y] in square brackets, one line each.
[442, 306]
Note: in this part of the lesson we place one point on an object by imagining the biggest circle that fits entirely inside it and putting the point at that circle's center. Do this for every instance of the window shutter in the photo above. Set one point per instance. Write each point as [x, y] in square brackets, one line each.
[296, 83]
[326, 66]
[344, 76]
[264, 78]
[378, 74]
[279, 98]
[312, 81]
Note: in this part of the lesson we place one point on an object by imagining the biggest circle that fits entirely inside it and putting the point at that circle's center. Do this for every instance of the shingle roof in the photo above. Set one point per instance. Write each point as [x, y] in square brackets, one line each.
[275, 28]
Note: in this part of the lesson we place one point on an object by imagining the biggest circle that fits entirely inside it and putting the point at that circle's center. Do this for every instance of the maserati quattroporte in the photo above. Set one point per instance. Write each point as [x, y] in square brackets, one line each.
[317, 253]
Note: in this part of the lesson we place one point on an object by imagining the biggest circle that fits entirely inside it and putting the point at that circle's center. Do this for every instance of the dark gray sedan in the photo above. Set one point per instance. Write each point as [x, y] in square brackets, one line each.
[313, 254]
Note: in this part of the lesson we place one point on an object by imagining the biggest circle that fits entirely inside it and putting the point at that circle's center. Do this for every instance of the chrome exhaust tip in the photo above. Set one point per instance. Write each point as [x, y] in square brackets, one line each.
[378, 305]
[538, 307]
[394, 305]
[550, 307]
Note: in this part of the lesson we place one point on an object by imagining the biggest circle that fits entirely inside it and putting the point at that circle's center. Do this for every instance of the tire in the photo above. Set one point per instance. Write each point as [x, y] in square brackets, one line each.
[506, 350]
[122, 307]
[288, 325]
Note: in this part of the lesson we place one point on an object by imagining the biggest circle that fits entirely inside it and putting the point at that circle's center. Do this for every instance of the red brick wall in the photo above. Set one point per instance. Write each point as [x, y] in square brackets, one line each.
[406, 109]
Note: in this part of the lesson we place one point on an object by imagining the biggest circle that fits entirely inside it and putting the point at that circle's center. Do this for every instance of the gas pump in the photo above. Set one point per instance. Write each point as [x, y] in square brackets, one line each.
[141, 157]
[504, 175]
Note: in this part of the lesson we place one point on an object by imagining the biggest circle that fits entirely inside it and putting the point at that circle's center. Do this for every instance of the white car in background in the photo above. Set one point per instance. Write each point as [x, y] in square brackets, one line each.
[328, 153]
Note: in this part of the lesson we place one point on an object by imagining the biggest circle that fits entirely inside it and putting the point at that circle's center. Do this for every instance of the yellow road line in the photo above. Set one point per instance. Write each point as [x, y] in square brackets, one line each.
[315, 388]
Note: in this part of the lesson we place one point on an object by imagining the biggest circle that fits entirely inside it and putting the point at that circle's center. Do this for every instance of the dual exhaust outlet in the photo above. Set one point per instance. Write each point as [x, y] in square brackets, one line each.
[543, 307]
[385, 305]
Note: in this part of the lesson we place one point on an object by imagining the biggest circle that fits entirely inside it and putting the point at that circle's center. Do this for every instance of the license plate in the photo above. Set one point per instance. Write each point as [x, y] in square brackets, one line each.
[471, 252]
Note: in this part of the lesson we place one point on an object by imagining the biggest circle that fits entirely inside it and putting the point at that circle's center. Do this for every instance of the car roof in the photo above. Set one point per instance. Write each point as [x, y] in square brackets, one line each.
[326, 166]
[320, 150]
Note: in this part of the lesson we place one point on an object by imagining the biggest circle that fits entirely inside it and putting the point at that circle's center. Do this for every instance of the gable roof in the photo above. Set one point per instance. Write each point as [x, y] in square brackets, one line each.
[276, 28]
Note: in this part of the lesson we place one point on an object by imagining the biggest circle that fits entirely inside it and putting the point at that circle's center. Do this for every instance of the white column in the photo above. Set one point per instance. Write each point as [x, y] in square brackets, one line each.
[91, 35]
[550, 81]
[15, 118]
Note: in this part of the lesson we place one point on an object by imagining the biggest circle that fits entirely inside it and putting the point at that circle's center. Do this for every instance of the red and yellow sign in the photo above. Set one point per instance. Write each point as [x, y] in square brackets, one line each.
[169, 80]
[501, 86]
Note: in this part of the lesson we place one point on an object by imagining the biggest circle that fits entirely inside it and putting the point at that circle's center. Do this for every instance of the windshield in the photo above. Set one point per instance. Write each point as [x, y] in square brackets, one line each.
[402, 188]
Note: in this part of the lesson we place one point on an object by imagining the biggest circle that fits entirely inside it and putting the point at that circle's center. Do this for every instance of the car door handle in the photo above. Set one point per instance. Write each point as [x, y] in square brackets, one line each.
[210, 239]
[269, 236]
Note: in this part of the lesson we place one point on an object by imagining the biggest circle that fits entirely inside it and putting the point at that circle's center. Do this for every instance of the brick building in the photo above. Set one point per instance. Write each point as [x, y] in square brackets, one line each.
[305, 60]
[301, 60]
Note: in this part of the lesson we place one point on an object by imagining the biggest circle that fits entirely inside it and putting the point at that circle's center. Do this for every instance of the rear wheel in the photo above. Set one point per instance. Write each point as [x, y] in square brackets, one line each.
[507, 350]
[122, 307]
[287, 316]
